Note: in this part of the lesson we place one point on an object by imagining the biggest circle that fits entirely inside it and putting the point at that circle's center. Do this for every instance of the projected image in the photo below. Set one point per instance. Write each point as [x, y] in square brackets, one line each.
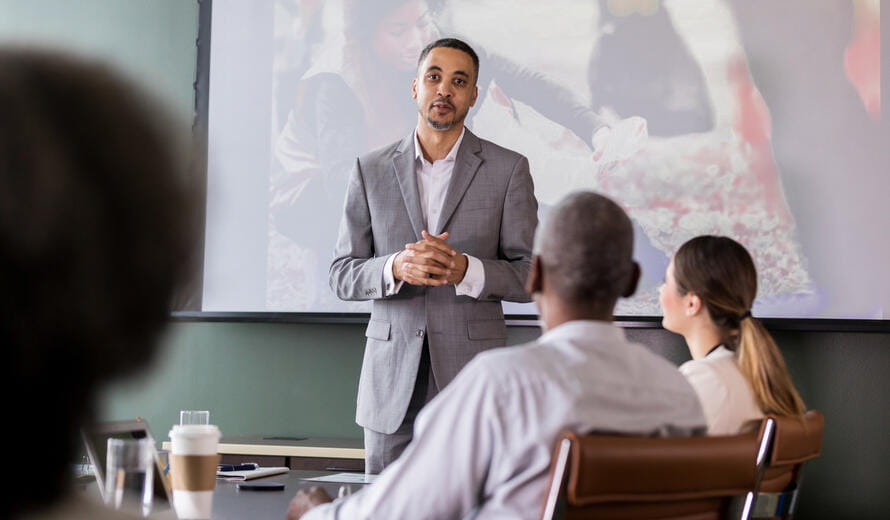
[342, 88]
[698, 117]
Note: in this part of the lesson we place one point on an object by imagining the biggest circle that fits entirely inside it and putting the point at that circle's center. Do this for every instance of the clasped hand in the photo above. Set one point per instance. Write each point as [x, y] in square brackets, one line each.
[430, 261]
[306, 500]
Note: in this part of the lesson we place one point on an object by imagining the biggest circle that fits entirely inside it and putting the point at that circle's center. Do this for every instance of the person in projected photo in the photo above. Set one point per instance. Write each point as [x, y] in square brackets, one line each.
[96, 231]
[355, 103]
[343, 106]
[482, 447]
[736, 368]
[819, 76]
[351, 102]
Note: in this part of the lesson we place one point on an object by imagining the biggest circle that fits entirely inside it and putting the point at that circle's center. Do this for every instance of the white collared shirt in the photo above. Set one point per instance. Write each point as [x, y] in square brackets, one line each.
[482, 446]
[726, 397]
[433, 179]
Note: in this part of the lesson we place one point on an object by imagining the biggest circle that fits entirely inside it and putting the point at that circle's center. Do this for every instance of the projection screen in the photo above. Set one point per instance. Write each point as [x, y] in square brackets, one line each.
[759, 120]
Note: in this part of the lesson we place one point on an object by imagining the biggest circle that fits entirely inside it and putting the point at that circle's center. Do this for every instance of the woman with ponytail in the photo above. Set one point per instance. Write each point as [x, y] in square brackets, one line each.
[736, 368]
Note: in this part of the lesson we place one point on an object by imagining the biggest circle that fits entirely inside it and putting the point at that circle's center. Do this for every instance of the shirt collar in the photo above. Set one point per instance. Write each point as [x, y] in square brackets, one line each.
[720, 352]
[452, 154]
[585, 328]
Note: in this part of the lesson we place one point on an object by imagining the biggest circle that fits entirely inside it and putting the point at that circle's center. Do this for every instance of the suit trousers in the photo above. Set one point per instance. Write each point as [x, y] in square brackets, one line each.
[383, 448]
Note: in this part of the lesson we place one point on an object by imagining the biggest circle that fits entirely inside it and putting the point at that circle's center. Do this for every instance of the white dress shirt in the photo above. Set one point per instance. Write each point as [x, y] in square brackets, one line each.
[433, 179]
[482, 447]
[725, 395]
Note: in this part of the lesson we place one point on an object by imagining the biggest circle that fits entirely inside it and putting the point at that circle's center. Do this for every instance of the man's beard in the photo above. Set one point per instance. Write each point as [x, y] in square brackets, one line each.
[440, 126]
[443, 126]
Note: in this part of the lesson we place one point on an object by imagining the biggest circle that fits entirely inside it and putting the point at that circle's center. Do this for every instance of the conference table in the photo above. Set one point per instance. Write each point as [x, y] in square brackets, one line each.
[231, 503]
[313, 457]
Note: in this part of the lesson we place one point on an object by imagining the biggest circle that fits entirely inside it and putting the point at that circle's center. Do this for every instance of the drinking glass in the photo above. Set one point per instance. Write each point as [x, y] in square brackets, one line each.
[194, 417]
[129, 475]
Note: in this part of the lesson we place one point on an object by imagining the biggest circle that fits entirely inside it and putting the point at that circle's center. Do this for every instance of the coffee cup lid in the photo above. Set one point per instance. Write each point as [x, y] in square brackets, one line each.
[194, 430]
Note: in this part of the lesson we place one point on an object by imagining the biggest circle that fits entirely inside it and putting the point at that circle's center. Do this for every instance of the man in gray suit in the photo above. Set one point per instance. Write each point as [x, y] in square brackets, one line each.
[437, 230]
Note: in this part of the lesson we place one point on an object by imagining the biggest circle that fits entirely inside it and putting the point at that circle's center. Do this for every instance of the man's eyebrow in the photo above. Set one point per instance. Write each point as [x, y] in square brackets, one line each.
[439, 69]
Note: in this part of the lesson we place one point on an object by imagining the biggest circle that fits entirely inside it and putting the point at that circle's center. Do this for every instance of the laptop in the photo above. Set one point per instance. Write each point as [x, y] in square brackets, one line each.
[95, 440]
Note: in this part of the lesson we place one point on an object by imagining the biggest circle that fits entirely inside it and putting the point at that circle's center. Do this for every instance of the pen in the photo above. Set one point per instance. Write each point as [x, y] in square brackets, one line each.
[247, 466]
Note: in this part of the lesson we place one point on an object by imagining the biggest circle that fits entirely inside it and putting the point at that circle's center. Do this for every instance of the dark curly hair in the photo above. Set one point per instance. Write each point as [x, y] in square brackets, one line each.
[96, 231]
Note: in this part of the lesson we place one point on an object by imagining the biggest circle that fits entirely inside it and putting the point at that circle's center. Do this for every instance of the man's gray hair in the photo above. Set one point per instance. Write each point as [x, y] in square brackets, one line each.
[586, 248]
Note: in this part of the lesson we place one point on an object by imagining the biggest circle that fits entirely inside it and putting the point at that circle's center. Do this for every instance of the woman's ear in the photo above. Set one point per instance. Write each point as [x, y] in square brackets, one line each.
[692, 304]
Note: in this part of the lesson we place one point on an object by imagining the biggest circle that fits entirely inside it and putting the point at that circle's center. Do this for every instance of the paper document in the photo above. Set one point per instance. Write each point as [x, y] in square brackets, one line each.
[250, 473]
[346, 478]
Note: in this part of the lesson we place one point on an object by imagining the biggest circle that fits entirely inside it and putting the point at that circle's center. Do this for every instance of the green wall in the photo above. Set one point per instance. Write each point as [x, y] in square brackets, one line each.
[255, 378]
[152, 41]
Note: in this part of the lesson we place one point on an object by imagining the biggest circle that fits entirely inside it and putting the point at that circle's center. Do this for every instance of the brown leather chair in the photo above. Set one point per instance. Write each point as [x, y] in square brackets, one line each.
[794, 441]
[689, 478]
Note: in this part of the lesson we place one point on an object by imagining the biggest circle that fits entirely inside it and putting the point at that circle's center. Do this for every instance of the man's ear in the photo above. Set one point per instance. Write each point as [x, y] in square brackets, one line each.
[475, 95]
[632, 281]
[414, 88]
[535, 282]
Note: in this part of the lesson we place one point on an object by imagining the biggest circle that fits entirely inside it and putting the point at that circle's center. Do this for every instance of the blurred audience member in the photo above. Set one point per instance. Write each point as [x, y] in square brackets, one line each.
[96, 232]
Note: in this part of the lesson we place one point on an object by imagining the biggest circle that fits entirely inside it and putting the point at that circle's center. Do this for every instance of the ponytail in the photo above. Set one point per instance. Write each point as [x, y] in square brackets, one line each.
[763, 366]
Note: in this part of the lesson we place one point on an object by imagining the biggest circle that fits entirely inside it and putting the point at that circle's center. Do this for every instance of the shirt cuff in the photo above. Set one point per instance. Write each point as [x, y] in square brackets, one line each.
[474, 279]
[390, 284]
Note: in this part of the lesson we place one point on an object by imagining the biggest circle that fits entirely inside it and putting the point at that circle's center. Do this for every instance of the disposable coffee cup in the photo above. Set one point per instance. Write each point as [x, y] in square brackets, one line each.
[193, 461]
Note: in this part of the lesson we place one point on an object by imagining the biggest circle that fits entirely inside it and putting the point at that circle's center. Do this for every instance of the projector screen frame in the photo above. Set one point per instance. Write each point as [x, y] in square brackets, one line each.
[521, 320]
[189, 308]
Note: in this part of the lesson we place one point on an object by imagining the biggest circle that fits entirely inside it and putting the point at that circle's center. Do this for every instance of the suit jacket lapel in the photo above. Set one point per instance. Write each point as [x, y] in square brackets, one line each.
[403, 165]
[466, 164]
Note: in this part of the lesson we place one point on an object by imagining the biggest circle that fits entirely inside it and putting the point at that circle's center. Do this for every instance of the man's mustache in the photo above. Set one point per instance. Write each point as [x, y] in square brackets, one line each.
[442, 101]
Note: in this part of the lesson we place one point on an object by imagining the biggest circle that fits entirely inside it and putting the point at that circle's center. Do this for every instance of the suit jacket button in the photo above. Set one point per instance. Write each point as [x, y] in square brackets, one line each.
[419, 333]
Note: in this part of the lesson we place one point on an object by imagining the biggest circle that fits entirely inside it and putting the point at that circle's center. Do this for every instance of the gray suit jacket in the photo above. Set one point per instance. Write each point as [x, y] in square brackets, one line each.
[490, 213]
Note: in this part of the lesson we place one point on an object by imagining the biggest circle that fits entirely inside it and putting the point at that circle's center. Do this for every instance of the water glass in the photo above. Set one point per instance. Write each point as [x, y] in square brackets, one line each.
[194, 417]
[129, 475]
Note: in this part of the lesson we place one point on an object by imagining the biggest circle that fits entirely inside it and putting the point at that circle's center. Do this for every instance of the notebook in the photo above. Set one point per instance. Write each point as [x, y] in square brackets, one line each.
[251, 473]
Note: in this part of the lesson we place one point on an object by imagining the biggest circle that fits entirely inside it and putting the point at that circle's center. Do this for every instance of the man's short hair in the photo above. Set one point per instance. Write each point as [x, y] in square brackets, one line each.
[451, 43]
[586, 248]
[97, 228]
